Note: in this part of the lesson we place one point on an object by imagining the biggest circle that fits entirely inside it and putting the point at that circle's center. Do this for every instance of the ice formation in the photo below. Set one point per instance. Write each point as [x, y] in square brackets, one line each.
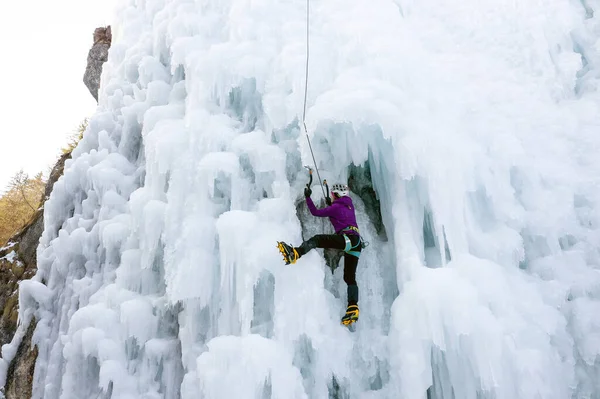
[474, 123]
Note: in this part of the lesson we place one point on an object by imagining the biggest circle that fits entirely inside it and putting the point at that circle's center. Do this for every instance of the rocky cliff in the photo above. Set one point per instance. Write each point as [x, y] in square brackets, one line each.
[96, 58]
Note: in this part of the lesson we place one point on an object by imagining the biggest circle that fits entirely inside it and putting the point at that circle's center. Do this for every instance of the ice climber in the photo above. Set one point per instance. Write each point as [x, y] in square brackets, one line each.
[346, 238]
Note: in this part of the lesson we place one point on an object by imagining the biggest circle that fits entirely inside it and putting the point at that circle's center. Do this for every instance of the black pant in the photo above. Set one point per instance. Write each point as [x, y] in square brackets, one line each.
[337, 241]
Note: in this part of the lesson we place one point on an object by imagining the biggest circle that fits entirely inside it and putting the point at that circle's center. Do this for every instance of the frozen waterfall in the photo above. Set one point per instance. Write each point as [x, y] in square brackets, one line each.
[469, 133]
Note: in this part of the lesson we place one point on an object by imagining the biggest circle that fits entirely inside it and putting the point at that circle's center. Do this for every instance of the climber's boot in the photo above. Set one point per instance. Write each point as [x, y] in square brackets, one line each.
[290, 255]
[351, 315]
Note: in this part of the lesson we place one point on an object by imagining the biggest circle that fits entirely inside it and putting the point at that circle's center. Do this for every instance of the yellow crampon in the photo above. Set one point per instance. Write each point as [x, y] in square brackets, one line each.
[351, 315]
[290, 255]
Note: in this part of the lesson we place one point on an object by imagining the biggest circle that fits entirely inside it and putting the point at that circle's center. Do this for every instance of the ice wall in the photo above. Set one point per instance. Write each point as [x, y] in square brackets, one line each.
[476, 121]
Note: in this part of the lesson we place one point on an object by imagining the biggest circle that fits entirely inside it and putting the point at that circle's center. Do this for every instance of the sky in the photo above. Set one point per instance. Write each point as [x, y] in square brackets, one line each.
[43, 54]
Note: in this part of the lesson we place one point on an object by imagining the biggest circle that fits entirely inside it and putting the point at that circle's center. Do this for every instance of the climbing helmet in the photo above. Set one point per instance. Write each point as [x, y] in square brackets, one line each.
[341, 190]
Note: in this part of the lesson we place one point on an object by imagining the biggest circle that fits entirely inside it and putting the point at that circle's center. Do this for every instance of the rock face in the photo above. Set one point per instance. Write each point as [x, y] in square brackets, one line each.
[14, 268]
[19, 380]
[96, 57]
[18, 258]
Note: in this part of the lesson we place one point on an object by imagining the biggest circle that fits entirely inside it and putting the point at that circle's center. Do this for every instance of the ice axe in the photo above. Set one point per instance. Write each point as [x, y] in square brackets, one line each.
[327, 197]
[310, 172]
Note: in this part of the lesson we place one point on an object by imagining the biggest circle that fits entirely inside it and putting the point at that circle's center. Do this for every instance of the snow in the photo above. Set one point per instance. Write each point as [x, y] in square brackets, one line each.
[10, 257]
[477, 121]
[8, 245]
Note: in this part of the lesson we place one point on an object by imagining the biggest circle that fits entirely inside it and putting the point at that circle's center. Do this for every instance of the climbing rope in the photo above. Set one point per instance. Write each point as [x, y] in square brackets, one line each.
[306, 95]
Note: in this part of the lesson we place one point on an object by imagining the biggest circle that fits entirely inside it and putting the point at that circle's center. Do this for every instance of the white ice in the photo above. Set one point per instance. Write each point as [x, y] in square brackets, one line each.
[477, 121]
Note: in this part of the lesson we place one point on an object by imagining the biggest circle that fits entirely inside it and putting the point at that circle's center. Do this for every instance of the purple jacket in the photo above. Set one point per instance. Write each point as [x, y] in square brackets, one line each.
[340, 213]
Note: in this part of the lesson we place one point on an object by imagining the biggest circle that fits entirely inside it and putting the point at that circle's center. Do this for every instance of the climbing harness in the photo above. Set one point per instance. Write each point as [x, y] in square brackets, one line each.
[363, 244]
[349, 249]
[305, 98]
